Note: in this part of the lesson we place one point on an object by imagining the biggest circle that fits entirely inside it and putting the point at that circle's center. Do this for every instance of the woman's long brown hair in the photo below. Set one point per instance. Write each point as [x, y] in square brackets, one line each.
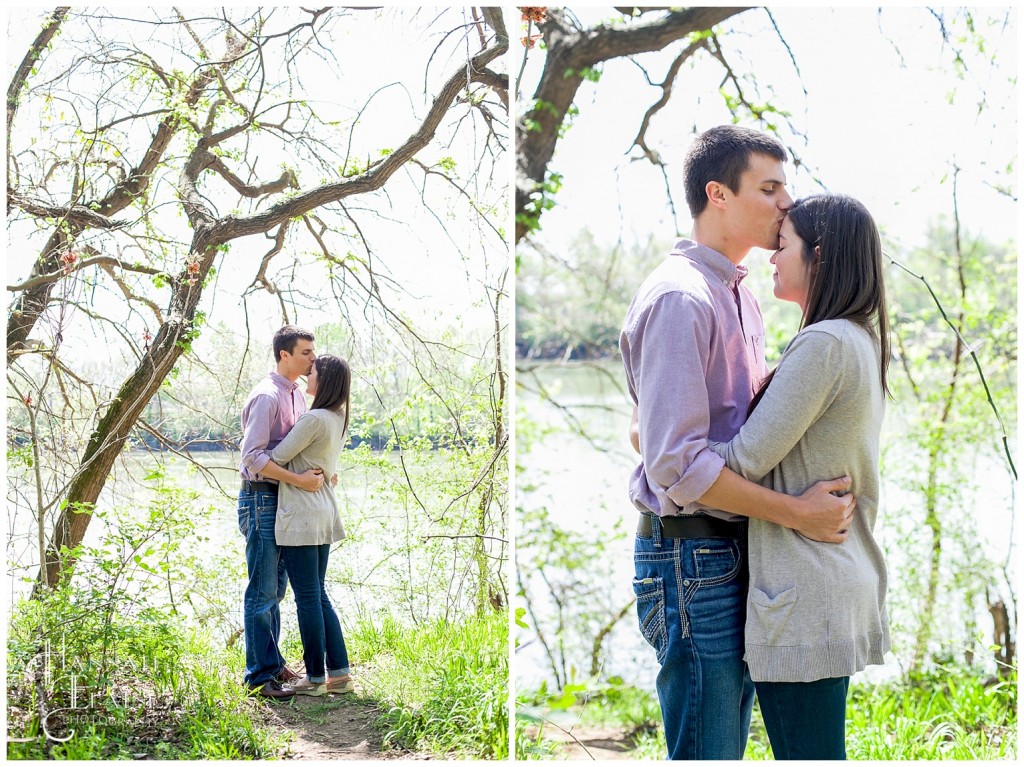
[333, 385]
[846, 278]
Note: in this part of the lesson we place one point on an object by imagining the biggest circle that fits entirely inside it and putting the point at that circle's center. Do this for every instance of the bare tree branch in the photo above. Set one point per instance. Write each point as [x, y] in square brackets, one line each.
[569, 54]
[50, 28]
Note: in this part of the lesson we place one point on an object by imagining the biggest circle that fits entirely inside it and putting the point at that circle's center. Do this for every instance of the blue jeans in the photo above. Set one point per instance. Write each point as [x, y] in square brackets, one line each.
[805, 720]
[691, 603]
[318, 623]
[257, 512]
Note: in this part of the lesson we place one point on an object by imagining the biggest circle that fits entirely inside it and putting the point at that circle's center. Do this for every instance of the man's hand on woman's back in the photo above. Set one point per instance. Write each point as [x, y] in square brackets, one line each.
[826, 511]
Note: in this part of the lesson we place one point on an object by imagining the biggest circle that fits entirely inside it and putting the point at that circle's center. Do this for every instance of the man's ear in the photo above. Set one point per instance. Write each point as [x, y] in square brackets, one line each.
[715, 190]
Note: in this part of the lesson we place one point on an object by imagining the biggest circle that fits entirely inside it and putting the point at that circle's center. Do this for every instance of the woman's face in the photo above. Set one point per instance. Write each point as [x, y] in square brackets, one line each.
[792, 277]
[311, 381]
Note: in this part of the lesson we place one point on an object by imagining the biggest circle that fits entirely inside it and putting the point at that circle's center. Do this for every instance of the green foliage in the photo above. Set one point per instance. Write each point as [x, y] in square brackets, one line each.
[590, 74]
[111, 658]
[952, 713]
[444, 686]
[947, 433]
[191, 331]
[570, 305]
[541, 199]
[562, 576]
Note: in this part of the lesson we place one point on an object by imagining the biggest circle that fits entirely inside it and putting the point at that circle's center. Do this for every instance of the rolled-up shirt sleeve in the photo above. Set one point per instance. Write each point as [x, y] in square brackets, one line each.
[261, 413]
[669, 356]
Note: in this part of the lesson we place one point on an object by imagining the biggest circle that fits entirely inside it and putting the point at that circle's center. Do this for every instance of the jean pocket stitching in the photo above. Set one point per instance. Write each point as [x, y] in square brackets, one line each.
[650, 593]
[718, 579]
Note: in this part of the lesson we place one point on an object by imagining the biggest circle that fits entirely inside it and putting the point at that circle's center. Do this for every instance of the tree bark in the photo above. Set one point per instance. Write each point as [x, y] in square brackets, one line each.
[32, 302]
[570, 52]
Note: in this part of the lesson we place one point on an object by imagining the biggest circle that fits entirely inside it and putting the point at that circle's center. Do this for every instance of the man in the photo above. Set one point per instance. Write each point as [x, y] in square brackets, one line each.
[270, 412]
[693, 349]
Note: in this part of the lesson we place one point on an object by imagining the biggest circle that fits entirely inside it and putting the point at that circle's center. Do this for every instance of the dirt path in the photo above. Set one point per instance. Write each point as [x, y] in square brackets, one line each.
[592, 743]
[330, 727]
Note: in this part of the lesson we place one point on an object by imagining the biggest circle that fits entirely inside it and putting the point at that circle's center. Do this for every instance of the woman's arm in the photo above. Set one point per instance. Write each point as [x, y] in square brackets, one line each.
[806, 382]
[306, 430]
[816, 513]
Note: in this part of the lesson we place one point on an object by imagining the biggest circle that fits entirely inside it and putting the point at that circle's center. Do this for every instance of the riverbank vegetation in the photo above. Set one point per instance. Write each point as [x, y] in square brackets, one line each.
[951, 712]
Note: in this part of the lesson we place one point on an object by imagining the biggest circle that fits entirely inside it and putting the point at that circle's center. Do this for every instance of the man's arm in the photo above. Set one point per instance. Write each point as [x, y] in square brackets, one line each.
[256, 438]
[666, 352]
[310, 480]
[817, 514]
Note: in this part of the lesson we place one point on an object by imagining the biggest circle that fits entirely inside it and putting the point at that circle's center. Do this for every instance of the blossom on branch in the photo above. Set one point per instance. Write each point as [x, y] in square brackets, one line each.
[536, 15]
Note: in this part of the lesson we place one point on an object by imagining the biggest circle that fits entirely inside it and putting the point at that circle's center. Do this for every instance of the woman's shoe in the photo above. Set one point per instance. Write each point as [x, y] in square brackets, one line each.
[306, 687]
[341, 685]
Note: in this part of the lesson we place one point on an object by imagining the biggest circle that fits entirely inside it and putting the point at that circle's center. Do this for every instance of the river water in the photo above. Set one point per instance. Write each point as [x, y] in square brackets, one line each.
[362, 566]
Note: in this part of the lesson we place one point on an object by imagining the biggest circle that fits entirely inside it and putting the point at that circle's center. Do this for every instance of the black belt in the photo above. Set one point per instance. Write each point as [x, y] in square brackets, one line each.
[258, 487]
[690, 527]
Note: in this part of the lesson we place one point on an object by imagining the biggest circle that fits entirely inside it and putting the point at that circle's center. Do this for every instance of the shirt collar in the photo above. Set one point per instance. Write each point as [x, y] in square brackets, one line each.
[712, 261]
[283, 383]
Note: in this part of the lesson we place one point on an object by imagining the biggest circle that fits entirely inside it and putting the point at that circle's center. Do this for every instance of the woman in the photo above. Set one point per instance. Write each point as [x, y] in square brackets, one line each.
[308, 523]
[816, 611]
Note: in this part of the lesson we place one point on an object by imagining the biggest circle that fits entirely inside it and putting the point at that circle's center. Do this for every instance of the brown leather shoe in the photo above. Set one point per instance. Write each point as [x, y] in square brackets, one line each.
[286, 676]
[273, 689]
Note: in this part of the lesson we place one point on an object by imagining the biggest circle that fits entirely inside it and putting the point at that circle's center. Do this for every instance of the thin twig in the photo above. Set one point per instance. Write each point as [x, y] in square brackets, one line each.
[977, 363]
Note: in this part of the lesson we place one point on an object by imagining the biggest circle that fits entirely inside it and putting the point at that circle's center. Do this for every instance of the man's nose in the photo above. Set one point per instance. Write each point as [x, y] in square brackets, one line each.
[785, 202]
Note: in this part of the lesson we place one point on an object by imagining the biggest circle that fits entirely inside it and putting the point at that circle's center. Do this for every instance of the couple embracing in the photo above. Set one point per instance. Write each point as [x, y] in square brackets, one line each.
[756, 565]
[289, 516]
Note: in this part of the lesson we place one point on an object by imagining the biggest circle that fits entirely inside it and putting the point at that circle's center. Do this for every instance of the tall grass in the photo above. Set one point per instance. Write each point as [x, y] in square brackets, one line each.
[946, 714]
[951, 713]
[443, 686]
[84, 685]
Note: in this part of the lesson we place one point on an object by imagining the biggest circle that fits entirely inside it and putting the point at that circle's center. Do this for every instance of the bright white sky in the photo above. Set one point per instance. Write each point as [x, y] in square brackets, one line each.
[878, 122]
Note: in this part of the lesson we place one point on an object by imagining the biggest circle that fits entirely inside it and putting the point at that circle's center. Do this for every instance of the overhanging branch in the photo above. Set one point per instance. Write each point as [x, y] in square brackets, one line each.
[231, 228]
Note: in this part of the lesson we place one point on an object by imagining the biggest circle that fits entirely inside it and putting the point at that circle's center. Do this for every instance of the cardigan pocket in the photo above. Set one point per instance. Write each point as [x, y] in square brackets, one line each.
[772, 621]
[284, 526]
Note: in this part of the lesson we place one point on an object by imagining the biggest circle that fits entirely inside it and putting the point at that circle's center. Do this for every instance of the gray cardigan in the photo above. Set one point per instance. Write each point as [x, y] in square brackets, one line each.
[816, 610]
[305, 518]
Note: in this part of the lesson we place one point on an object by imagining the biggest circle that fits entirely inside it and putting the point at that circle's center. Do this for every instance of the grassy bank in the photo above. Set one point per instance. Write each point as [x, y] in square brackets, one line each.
[443, 687]
[84, 683]
[90, 683]
[951, 713]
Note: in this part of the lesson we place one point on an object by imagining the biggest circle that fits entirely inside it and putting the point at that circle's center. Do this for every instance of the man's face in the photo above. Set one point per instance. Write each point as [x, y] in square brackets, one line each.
[299, 361]
[757, 209]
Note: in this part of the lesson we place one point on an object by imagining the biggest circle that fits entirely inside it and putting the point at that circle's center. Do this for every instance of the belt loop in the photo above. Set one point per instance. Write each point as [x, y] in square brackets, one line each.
[656, 530]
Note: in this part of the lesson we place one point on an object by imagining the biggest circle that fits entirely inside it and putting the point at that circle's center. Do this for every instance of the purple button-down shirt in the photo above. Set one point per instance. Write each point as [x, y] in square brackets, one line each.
[273, 407]
[693, 348]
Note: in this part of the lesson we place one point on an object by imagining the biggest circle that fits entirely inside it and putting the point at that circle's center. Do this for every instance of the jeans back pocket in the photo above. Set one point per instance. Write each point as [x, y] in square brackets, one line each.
[650, 611]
